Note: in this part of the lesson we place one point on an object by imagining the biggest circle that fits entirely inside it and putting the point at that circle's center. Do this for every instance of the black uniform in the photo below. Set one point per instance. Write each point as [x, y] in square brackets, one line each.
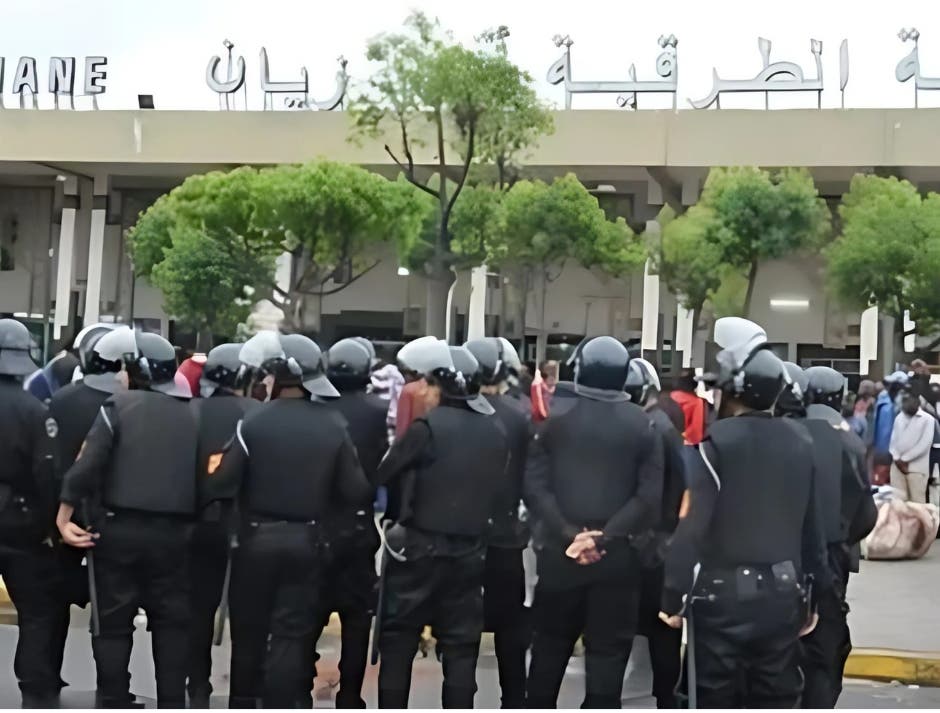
[664, 641]
[74, 409]
[452, 464]
[291, 459]
[754, 529]
[217, 417]
[27, 563]
[504, 608]
[596, 463]
[139, 464]
[848, 514]
[349, 578]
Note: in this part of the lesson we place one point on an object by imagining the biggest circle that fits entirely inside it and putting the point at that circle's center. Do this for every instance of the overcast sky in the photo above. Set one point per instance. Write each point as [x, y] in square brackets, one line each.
[161, 47]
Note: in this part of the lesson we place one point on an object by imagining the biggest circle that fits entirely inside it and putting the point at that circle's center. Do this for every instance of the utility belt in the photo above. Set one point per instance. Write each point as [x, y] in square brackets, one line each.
[406, 543]
[21, 522]
[750, 582]
[264, 521]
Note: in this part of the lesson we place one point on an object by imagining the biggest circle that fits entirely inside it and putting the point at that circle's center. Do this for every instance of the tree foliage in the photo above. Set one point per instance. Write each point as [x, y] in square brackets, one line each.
[745, 216]
[534, 228]
[222, 232]
[889, 250]
[473, 103]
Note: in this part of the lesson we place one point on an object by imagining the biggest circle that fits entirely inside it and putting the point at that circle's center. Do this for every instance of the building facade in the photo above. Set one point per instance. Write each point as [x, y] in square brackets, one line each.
[72, 183]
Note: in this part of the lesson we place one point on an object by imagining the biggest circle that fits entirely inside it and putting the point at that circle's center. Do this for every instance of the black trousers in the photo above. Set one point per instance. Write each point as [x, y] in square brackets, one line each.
[447, 593]
[665, 643]
[505, 614]
[273, 603]
[605, 612]
[747, 652]
[141, 561]
[826, 649]
[208, 558]
[349, 588]
[31, 580]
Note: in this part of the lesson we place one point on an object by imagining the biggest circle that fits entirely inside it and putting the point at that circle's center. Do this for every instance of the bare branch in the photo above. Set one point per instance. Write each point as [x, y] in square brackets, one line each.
[409, 174]
[322, 293]
[471, 135]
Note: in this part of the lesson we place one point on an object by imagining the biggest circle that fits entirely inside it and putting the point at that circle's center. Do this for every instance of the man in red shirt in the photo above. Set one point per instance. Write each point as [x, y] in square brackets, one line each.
[693, 408]
[542, 389]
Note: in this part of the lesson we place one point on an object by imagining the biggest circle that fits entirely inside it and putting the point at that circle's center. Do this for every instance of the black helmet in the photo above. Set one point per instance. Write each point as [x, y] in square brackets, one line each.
[223, 368]
[469, 367]
[369, 347]
[155, 365]
[432, 357]
[305, 353]
[348, 364]
[493, 369]
[825, 386]
[508, 355]
[84, 344]
[757, 382]
[16, 349]
[602, 363]
[642, 380]
[790, 402]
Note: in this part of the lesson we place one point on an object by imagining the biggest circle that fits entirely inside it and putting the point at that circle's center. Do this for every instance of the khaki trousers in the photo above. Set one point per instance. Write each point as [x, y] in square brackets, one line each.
[912, 486]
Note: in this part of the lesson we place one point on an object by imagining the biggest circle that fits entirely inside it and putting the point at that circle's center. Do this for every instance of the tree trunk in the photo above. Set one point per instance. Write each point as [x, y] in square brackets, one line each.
[204, 340]
[751, 279]
[541, 341]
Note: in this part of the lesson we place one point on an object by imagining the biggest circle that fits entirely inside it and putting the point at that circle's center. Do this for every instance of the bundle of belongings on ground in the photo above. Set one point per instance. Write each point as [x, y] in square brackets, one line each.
[904, 530]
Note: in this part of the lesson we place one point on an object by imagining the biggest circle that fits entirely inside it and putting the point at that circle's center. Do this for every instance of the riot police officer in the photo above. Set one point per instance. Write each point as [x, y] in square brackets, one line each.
[644, 388]
[849, 514]
[349, 578]
[594, 479]
[73, 409]
[291, 459]
[222, 406]
[504, 608]
[753, 528]
[26, 501]
[452, 462]
[139, 463]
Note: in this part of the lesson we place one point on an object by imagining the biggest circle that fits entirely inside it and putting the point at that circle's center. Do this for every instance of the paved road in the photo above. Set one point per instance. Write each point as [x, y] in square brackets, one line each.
[79, 671]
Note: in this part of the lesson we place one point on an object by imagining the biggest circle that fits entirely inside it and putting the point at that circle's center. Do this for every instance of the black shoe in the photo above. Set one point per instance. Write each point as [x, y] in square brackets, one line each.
[40, 700]
[199, 699]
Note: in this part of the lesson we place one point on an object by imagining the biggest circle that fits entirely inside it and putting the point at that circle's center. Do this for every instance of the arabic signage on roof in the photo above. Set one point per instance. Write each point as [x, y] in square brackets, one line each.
[231, 86]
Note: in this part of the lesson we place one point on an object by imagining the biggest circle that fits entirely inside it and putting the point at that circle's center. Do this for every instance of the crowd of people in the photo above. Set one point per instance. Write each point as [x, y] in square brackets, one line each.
[256, 485]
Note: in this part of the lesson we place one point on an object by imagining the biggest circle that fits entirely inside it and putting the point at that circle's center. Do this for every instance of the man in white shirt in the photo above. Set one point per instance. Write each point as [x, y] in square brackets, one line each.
[911, 441]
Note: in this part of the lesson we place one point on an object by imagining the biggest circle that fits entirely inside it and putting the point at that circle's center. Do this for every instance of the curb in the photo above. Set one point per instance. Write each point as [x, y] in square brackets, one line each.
[909, 667]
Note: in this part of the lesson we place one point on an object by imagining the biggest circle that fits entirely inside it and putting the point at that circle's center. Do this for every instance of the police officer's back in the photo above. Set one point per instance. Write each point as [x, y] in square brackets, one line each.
[849, 514]
[645, 389]
[753, 528]
[26, 502]
[349, 582]
[138, 463]
[218, 412]
[594, 479]
[452, 461]
[504, 590]
[291, 460]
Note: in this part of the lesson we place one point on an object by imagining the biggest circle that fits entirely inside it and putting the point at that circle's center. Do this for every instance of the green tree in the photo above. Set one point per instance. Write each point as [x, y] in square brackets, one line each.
[763, 215]
[326, 215]
[473, 103]
[745, 216]
[205, 286]
[533, 229]
[889, 251]
[330, 217]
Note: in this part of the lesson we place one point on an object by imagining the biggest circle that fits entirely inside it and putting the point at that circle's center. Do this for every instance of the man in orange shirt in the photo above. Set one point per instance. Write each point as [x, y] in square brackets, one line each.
[542, 389]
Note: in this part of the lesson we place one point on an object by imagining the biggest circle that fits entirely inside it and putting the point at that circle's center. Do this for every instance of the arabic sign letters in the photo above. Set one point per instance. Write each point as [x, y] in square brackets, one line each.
[296, 93]
[910, 66]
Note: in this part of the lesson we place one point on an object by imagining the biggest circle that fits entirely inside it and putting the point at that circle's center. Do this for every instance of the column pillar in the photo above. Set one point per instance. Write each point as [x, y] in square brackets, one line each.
[99, 216]
[64, 270]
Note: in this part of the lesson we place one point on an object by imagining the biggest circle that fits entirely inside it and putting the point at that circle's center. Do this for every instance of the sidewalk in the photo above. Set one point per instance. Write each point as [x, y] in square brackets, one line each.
[893, 620]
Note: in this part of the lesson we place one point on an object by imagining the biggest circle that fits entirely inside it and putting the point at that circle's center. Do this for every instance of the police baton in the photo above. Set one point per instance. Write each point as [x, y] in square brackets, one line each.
[222, 614]
[377, 619]
[92, 585]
